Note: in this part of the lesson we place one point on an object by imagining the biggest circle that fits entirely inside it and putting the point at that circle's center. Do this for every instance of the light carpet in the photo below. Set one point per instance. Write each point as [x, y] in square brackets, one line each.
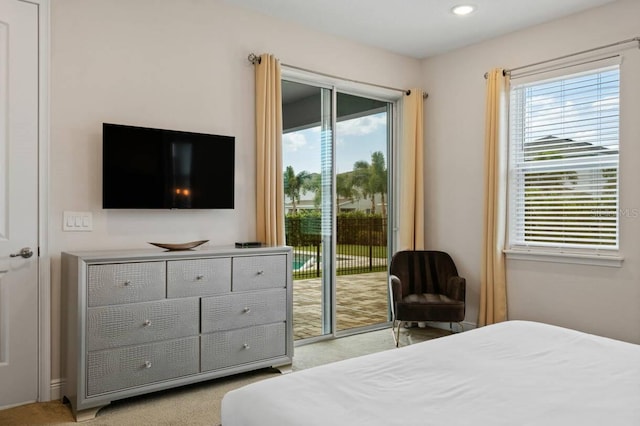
[199, 404]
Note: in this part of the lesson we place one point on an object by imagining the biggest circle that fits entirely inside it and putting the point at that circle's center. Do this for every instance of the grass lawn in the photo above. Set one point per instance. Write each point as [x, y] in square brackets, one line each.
[352, 249]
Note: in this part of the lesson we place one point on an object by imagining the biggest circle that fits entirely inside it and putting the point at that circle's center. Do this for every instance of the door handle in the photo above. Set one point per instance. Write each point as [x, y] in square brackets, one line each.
[25, 252]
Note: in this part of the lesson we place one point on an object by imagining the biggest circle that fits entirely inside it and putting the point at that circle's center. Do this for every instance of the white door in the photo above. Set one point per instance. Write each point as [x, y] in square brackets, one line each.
[18, 202]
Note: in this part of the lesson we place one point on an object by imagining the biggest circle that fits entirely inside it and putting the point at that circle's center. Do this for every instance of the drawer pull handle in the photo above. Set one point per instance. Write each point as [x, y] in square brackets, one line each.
[127, 282]
[147, 364]
[199, 277]
[246, 310]
[246, 346]
[260, 272]
[146, 323]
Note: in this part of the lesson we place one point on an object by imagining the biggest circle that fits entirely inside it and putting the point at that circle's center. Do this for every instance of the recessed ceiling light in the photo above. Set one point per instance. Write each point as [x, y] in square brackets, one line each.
[463, 9]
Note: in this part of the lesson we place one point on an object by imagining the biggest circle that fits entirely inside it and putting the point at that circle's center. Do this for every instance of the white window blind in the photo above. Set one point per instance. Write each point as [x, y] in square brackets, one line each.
[563, 151]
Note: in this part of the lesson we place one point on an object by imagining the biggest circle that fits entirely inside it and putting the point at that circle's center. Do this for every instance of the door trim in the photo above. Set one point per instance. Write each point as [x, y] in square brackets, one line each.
[44, 262]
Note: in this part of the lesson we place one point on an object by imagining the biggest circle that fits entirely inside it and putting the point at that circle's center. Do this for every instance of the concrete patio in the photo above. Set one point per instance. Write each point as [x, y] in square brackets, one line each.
[361, 299]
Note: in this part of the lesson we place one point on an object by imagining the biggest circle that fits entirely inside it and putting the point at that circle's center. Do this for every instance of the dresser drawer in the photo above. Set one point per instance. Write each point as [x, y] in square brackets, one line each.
[136, 323]
[243, 310]
[119, 369]
[113, 284]
[241, 346]
[259, 272]
[200, 277]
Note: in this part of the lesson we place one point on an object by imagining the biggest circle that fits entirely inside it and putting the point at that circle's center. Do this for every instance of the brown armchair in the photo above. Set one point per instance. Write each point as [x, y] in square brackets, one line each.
[425, 286]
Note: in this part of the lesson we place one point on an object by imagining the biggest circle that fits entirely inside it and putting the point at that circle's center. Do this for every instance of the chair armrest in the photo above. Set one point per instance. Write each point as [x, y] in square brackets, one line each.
[395, 286]
[456, 288]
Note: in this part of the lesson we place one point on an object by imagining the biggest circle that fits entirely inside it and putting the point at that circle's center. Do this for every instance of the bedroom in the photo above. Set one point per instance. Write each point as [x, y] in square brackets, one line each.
[183, 65]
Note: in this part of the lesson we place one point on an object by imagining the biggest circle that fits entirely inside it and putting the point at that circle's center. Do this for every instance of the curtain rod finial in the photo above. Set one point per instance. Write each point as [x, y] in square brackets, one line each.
[504, 73]
[254, 59]
[424, 94]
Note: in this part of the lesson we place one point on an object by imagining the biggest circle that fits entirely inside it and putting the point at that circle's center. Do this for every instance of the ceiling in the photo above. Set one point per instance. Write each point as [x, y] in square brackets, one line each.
[417, 28]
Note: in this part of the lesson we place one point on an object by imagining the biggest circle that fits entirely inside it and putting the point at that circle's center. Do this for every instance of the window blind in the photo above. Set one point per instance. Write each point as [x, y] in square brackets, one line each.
[563, 150]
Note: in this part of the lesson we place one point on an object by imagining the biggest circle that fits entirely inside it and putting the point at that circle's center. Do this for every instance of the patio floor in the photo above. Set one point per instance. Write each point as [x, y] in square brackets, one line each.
[361, 298]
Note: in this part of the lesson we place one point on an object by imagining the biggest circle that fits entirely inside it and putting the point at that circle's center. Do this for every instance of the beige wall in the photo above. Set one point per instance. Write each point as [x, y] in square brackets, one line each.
[182, 65]
[601, 300]
[178, 65]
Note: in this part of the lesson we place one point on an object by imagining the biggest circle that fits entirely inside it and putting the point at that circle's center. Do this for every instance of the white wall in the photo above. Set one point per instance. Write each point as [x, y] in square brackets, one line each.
[178, 65]
[600, 300]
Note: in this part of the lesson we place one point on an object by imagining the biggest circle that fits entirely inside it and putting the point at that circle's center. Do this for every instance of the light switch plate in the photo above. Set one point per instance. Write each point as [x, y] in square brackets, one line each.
[77, 221]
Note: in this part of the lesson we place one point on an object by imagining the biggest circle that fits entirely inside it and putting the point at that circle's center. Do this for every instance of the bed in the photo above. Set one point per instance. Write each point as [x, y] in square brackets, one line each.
[511, 373]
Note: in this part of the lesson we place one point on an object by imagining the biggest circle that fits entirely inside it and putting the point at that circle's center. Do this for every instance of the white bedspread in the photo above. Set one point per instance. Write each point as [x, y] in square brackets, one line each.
[513, 373]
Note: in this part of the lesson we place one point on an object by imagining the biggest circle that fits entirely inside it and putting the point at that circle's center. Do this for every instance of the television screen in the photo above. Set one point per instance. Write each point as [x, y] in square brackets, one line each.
[146, 168]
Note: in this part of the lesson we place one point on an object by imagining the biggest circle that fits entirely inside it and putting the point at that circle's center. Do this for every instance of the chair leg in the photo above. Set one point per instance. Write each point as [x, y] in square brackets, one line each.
[395, 332]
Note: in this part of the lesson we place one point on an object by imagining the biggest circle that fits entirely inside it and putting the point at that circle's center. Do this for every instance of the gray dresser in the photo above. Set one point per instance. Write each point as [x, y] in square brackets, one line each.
[139, 321]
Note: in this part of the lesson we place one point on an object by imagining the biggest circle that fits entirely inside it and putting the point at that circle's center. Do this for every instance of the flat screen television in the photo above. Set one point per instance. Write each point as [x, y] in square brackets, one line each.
[145, 168]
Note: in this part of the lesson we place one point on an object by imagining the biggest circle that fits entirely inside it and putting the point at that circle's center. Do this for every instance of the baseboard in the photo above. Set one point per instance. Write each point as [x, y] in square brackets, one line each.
[445, 325]
[469, 325]
[57, 386]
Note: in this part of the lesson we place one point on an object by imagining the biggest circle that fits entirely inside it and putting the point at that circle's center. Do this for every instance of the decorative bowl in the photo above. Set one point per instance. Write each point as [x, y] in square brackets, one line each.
[182, 246]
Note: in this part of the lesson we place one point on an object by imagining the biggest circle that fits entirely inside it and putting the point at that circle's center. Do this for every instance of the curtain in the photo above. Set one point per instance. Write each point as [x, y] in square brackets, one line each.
[493, 286]
[411, 217]
[269, 178]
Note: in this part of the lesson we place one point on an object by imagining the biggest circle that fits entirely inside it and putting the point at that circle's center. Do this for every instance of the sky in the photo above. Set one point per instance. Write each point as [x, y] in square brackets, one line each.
[582, 114]
[356, 140]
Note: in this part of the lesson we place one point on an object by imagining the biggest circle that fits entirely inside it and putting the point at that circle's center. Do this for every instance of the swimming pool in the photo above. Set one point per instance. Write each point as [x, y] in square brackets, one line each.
[302, 261]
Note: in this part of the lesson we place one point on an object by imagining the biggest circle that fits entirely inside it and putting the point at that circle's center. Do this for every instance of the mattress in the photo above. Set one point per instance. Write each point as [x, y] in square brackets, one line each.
[511, 373]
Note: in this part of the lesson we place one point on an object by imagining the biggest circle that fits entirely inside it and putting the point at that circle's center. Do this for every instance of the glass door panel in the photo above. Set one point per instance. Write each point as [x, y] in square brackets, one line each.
[308, 169]
[363, 139]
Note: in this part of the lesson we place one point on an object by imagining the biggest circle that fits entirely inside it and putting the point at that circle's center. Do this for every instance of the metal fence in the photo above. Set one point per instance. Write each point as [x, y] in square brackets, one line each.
[362, 244]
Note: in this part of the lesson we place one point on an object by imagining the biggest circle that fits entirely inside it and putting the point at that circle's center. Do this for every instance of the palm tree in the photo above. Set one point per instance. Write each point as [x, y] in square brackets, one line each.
[294, 185]
[344, 187]
[361, 180]
[378, 178]
[313, 183]
[371, 179]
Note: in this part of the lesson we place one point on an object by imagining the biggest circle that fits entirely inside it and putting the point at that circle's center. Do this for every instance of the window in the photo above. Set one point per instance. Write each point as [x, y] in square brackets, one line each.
[563, 153]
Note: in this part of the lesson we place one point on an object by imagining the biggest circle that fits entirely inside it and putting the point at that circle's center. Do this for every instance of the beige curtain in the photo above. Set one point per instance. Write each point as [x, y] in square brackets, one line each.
[411, 220]
[493, 286]
[269, 179]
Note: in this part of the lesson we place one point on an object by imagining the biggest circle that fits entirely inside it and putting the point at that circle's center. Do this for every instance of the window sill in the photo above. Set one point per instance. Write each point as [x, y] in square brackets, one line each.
[613, 260]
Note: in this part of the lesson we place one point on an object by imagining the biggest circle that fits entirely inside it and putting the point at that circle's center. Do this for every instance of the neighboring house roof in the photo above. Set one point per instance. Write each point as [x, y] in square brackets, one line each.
[307, 203]
[551, 147]
[301, 205]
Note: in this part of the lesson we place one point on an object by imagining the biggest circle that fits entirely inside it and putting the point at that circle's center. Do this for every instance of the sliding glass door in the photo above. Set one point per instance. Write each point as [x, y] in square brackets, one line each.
[335, 157]
[363, 135]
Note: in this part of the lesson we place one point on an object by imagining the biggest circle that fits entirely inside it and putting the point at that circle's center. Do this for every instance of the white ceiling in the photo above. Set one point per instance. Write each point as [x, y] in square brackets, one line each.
[417, 28]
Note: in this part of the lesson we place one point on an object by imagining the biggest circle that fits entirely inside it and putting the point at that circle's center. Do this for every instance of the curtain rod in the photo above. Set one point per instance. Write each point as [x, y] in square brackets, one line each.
[595, 49]
[255, 59]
